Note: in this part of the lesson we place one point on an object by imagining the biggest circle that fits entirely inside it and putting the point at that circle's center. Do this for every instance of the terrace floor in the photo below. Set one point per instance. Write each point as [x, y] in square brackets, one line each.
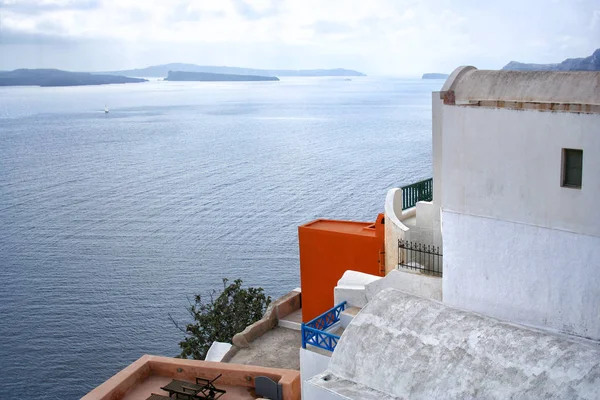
[277, 348]
[153, 384]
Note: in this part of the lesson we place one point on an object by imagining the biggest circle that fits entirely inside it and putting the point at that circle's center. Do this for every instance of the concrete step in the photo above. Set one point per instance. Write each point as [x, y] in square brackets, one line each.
[292, 321]
[337, 330]
[347, 315]
[290, 324]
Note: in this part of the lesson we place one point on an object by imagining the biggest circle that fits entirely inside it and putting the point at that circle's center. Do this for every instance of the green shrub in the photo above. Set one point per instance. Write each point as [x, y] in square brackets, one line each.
[221, 318]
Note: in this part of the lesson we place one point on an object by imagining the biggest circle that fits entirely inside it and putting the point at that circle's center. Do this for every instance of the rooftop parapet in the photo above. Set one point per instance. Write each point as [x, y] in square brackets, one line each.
[149, 373]
[577, 91]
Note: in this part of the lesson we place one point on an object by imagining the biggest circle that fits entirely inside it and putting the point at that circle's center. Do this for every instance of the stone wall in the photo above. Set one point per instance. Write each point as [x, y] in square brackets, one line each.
[281, 307]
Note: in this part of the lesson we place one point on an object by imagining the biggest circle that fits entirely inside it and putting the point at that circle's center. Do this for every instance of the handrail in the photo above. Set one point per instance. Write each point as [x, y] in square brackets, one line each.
[317, 338]
[313, 332]
[328, 318]
[419, 191]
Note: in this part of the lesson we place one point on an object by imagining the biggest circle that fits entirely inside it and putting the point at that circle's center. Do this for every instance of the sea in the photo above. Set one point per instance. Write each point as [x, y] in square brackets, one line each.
[111, 222]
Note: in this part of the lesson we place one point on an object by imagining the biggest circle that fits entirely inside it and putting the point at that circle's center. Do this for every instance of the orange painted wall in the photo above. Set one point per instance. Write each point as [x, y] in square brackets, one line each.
[330, 248]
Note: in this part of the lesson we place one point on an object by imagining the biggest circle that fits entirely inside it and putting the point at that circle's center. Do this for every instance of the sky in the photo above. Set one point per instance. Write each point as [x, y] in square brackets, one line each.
[378, 37]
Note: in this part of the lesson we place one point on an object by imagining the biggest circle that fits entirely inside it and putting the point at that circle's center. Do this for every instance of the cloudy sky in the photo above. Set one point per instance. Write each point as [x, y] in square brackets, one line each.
[379, 37]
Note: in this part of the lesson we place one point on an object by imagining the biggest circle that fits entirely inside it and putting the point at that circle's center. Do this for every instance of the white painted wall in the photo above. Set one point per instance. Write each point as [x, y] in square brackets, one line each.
[311, 364]
[506, 164]
[351, 288]
[517, 245]
[327, 386]
[429, 224]
[314, 392]
[411, 282]
[437, 109]
[394, 228]
[217, 351]
[357, 288]
[523, 273]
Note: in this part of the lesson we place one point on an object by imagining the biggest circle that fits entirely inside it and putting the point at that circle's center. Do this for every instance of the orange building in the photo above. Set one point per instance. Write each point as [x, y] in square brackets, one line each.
[329, 248]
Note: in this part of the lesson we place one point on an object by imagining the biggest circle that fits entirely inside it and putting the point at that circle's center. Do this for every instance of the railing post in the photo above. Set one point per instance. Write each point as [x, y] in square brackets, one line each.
[302, 331]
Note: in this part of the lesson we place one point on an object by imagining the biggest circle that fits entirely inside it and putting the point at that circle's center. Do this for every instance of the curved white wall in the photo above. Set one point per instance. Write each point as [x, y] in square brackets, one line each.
[414, 348]
[394, 228]
[411, 281]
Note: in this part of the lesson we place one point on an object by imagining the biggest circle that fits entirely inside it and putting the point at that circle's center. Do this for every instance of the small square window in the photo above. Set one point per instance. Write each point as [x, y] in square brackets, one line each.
[572, 162]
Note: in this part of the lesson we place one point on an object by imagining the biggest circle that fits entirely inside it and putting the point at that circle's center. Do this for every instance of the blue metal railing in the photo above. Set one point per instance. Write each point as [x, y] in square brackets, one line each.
[420, 191]
[317, 338]
[313, 332]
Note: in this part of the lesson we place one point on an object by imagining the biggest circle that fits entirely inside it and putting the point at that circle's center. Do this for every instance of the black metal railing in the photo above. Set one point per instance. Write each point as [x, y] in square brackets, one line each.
[420, 257]
[420, 191]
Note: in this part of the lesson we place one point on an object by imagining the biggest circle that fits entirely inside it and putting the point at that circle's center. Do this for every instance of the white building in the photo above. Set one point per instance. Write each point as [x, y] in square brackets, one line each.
[516, 182]
[519, 179]
[516, 178]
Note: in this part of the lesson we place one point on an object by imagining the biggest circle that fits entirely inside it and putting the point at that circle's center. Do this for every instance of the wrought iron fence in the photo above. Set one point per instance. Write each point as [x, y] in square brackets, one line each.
[313, 332]
[420, 191]
[420, 257]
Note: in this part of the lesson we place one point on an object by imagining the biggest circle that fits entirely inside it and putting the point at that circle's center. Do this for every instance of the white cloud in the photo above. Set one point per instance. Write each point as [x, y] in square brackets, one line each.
[595, 22]
[379, 36]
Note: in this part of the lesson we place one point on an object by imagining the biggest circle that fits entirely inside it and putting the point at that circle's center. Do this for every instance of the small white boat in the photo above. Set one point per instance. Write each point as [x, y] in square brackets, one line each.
[105, 109]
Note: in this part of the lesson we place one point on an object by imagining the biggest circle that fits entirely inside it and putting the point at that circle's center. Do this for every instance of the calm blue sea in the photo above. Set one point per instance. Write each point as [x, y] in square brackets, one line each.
[109, 222]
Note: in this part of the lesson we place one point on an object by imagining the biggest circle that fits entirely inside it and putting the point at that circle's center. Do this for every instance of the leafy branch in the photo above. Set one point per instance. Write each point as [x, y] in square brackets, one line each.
[221, 317]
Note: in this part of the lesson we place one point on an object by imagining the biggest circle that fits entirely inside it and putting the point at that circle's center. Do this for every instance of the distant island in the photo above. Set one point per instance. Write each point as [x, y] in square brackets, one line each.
[435, 75]
[591, 63]
[56, 77]
[211, 77]
[162, 71]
